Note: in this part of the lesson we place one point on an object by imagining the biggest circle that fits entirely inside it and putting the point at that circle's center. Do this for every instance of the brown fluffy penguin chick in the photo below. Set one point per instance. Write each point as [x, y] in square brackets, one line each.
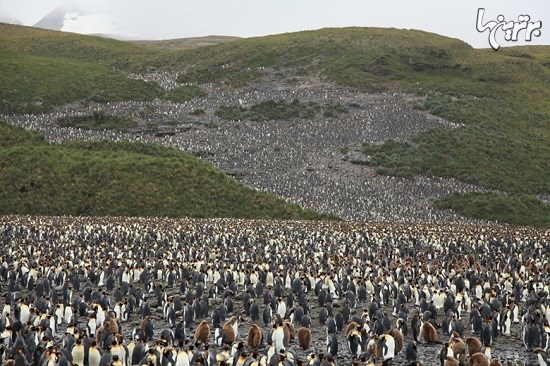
[113, 326]
[291, 331]
[459, 347]
[428, 332]
[229, 335]
[398, 338]
[255, 336]
[450, 361]
[495, 362]
[378, 348]
[479, 359]
[474, 345]
[304, 338]
[99, 333]
[202, 333]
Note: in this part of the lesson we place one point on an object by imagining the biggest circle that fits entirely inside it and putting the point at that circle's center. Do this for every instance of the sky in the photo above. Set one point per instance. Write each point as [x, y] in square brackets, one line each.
[167, 19]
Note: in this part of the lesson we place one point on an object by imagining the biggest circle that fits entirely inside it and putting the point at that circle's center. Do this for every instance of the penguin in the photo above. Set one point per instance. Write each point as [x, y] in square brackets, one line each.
[58, 314]
[147, 328]
[99, 314]
[323, 315]
[179, 332]
[533, 336]
[479, 359]
[450, 361]
[332, 345]
[474, 345]
[52, 321]
[331, 325]
[487, 335]
[428, 333]
[306, 321]
[119, 351]
[304, 338]
[281, 308]
[24, 313]
[398, 340]
[354, 343]
[230, 330]
[457, 326]
[182, 358]
[411, 353]
[254, 311]
[267, 315]
[94, 356]
[278, 336]
[20, 357]
[388, 347]
[138, 353]
[255, 336]
[542, 356]
[202, 333]
[77, 353]
[219, 336]
[68, 314]
[415, 326]
[290, 332]
[506, 323]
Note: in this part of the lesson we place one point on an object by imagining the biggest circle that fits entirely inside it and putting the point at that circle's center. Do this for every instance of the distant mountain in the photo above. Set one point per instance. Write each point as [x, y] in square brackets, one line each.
[73, 18]
[55, 19]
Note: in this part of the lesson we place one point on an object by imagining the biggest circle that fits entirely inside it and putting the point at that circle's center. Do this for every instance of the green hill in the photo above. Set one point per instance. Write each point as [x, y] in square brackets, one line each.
[42, 69]
[186, 43]
[502, 98]
[122, 179]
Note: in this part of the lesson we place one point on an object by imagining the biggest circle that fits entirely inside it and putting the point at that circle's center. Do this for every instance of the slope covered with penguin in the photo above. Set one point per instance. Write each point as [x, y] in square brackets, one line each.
[498, 98]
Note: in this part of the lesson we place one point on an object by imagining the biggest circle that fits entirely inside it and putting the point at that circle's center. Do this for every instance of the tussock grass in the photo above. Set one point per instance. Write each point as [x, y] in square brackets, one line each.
[122, 179]
[500, 97]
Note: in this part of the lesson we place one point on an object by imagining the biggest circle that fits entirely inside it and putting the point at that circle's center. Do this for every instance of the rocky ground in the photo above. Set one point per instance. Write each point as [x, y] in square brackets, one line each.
[316, 162]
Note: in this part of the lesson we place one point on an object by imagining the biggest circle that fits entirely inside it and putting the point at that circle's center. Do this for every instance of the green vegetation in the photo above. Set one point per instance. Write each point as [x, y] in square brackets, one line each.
[500, 97]
[481, 154]
[515, 209]
[98, 120]
[122, 179]
[185, 93]
[41, 69]
[186, 43]
[271, 110]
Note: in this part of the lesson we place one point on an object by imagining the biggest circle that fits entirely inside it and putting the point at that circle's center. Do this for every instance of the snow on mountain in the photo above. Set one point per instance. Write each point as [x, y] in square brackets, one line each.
[77, 19]
[88, 23]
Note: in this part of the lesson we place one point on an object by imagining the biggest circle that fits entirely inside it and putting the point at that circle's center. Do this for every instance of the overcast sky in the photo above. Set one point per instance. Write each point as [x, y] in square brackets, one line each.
[165, 19]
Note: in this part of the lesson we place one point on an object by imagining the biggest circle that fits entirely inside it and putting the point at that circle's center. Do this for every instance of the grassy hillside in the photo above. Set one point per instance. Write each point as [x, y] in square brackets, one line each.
[186, 43]
[501, 97]
[122, 179]
[42, 69]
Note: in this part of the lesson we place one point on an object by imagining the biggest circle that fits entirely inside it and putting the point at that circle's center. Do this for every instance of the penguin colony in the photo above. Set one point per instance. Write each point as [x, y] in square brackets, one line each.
[160, 292]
